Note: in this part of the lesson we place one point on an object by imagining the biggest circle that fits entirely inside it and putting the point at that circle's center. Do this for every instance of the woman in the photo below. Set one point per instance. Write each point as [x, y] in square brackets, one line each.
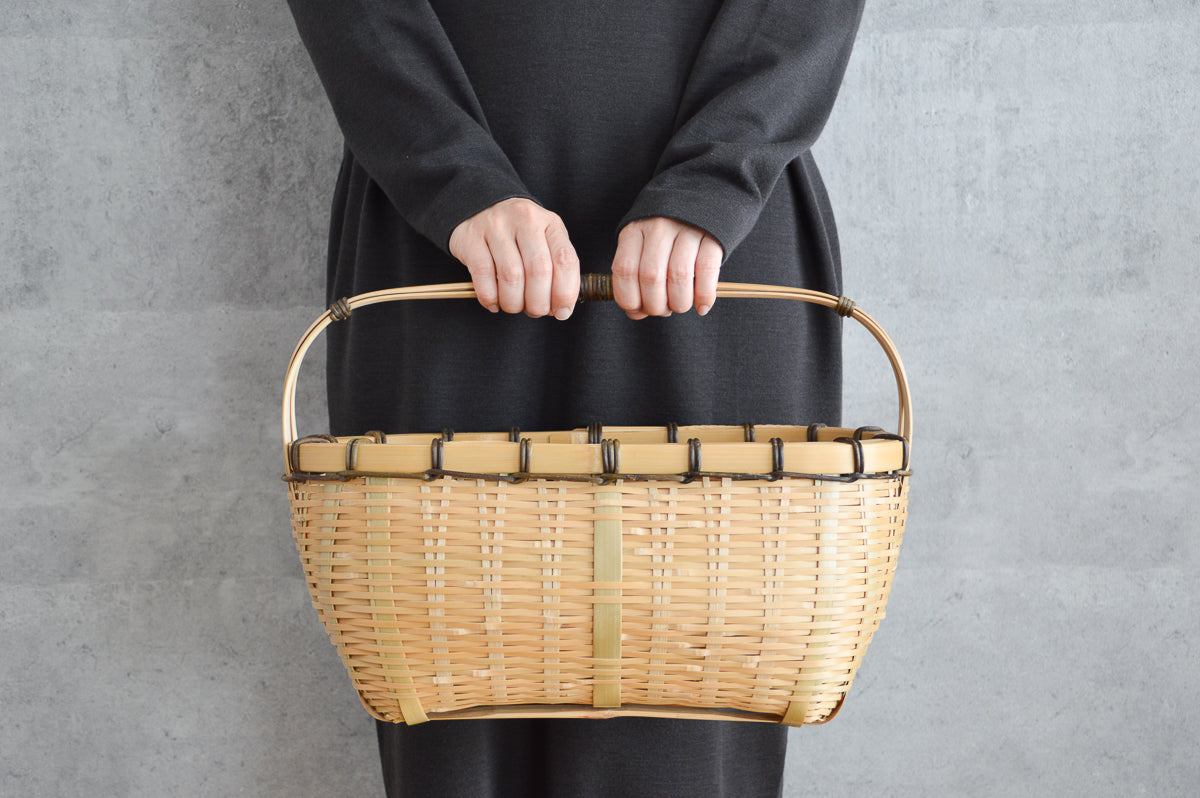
[515, 143]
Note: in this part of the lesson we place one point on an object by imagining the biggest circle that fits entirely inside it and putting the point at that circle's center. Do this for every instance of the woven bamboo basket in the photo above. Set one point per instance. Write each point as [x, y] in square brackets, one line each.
[711, 572]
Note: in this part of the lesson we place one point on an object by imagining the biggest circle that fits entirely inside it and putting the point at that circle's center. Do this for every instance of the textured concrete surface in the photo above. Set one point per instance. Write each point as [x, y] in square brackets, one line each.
[1018, 187]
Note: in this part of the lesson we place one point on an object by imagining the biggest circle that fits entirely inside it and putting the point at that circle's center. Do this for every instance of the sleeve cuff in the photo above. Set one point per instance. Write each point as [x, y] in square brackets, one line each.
[468, 193]
[719, 211]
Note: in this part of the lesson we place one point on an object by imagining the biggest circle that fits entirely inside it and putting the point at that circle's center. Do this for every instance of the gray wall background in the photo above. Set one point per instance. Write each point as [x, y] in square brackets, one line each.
[1017, 188]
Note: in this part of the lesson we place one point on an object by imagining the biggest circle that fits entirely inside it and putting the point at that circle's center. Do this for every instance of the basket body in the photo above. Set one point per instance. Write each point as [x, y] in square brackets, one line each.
[719, 597]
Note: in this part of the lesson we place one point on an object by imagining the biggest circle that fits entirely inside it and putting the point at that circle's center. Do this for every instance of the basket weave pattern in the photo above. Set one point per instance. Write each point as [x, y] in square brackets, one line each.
[735, 594]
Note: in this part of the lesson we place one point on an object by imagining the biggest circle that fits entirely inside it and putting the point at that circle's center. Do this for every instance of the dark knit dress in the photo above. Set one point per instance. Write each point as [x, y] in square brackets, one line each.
[603, 112]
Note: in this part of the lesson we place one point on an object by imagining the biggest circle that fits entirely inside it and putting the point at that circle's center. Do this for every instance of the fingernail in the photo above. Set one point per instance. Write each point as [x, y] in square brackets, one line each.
[494, 308]
[562, 314]
[702, 309]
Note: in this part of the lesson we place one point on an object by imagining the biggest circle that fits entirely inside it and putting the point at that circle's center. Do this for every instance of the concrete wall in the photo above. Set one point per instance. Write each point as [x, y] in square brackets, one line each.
[1017, 186]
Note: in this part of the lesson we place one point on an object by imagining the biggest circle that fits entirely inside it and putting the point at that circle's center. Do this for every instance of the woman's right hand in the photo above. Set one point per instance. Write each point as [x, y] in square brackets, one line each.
[520, 259]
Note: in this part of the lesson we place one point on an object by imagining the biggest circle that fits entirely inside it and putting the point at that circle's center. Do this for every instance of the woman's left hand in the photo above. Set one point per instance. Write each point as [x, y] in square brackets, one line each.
[662, 266]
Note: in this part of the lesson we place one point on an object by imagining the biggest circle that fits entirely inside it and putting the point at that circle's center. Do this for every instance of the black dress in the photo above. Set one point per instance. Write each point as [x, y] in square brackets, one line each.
[603, 112]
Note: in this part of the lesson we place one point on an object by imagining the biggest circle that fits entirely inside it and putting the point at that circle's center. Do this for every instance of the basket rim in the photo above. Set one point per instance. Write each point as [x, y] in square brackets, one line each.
[672, 453]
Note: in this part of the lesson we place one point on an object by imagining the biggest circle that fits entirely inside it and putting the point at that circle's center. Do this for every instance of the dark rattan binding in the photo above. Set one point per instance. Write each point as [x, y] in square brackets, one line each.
[595, 288]
[858, 453]
[340, 310]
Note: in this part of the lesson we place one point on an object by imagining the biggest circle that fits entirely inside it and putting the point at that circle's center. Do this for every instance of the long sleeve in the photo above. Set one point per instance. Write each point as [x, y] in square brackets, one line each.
[757, 96]
[407, 109]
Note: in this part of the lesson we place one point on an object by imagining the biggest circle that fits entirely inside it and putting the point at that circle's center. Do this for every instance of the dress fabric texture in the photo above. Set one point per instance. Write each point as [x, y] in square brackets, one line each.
[698, 110]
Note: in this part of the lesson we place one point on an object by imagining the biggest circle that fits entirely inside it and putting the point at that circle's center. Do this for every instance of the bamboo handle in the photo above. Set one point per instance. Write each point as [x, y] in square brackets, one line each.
[593, 287]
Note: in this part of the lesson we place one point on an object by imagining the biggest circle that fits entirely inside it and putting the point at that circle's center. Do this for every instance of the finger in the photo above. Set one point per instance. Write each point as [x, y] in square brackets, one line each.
[539, 271]
[708, 271]
[626, 291]
[510, 272]
[681, 270]
[473, 252]
[564, 291]
[652, 271]
[483, 277]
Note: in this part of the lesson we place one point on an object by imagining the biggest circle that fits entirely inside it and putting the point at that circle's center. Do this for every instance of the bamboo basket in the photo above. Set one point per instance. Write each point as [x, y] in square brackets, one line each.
[708, 572]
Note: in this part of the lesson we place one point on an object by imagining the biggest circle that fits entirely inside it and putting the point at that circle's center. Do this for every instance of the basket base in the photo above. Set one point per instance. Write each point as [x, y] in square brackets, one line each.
[579, 711]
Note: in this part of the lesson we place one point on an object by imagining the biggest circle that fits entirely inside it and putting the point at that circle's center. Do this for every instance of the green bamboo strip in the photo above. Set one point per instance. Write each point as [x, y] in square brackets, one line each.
[606, 622]
[409, 704]
[826, 548]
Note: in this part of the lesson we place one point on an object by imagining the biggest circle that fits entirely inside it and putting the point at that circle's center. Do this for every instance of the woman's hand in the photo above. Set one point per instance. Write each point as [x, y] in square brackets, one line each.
[662, 266]
[520, 259]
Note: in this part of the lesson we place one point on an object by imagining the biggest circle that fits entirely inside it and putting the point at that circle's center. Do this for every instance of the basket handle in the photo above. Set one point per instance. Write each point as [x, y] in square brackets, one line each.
[593, 287]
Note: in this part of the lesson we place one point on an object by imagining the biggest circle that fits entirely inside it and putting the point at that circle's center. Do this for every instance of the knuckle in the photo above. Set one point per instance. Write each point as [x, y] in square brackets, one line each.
[652, 273]
[463, 239]
[482, 277]
[528, 212]
[661, 224]
[625, 268]
[682, 276]
[539, 267]
[510, 274]
[563, 257]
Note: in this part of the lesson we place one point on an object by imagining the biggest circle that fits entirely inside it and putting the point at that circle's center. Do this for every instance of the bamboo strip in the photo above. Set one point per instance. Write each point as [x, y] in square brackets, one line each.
[398, 674]
[607, 618]
[798, 708]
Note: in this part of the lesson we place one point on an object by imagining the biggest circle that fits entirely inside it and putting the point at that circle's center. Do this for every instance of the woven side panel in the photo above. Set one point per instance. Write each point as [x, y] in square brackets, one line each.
[492, 589]
[735, 573]
[736, 594]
